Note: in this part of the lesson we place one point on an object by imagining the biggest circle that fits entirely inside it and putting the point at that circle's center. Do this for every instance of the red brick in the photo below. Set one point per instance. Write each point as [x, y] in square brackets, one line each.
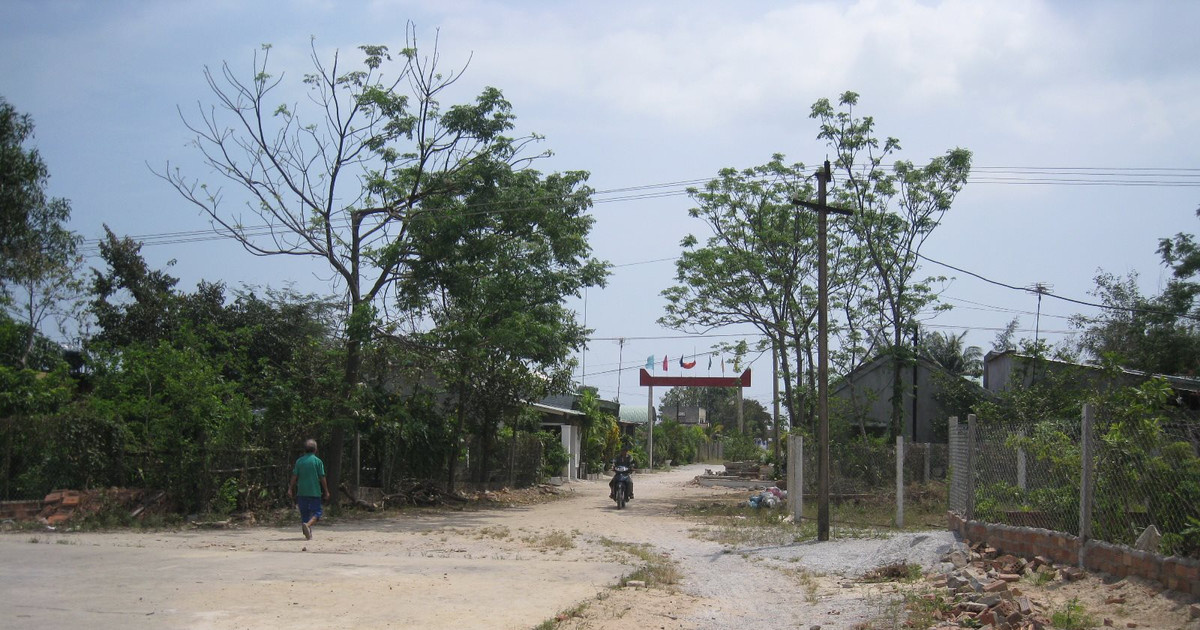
[995, 586]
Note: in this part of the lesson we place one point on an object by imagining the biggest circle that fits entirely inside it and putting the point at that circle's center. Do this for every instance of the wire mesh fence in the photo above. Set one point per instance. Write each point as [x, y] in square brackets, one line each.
[1028, 475]
[1117, 473]
[1147, 473]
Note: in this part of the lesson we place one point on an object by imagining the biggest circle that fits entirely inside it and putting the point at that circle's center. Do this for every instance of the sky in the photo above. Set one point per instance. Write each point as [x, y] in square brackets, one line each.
[662, 94]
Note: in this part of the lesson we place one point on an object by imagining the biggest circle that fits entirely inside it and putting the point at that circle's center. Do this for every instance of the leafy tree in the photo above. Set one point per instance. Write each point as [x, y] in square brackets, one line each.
[753, 268]
[894, 213]
[1158, 334]
[601, 433]
[950, 352]
[1005, 339]
[39, 261]
[23, 177]
[490, 270]
[347, 183]
[131, 302]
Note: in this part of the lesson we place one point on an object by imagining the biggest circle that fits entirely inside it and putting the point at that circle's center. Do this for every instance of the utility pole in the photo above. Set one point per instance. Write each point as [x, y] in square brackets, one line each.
[650, 427]
[620, 358]
[824, 176]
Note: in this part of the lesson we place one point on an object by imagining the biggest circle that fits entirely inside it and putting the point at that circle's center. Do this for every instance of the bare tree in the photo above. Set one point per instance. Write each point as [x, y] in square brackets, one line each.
[342, 176]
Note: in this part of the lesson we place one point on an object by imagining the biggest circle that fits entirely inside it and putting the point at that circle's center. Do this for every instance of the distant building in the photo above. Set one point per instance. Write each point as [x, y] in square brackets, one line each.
[561, 415]
[1008, 369]
[864, 398]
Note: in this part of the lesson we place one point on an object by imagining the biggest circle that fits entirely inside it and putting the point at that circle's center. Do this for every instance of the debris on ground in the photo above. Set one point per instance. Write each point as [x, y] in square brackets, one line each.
[61, 506]
[984, 588]
[770, 498]
[541, 493]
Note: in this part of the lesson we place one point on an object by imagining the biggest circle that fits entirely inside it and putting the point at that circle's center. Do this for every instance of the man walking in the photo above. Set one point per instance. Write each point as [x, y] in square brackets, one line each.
[308, 476]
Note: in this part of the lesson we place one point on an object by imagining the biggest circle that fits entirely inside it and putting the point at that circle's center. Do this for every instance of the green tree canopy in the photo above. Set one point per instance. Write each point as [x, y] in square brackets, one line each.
[1158, 334]
[345, 175]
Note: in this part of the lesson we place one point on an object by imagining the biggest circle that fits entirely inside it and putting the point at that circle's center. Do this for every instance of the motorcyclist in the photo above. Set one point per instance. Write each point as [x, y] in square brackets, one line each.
[624, 459]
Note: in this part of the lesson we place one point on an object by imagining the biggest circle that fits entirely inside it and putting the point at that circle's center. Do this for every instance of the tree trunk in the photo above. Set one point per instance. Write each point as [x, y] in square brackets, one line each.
[789, 398]
[456, 437]
[898, 361]
[337, 434]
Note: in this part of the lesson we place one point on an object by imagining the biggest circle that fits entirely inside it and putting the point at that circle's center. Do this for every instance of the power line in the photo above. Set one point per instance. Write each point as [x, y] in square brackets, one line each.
[1080, 176]
[1001, 309]
[1126, 309]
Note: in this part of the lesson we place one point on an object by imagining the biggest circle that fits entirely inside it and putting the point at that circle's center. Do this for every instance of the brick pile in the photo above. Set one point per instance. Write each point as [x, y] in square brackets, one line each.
[61, 506]
[984, 593]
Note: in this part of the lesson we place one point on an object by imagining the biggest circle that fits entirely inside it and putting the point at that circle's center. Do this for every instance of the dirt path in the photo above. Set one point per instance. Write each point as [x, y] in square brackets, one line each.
[507, 568]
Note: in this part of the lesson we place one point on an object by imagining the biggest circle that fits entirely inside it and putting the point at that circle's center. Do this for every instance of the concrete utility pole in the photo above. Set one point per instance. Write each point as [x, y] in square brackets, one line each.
[620, 359]
[650, 428]
[824, 176]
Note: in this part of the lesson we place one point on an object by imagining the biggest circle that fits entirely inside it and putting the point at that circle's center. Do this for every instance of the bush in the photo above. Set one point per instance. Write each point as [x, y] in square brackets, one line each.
[555, 456]
[741, 448]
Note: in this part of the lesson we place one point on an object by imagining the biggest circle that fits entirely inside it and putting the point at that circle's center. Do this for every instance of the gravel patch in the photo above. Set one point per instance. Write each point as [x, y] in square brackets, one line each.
[852, 557]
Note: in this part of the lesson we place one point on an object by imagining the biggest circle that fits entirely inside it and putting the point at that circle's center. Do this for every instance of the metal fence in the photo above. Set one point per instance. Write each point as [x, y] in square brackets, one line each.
[1110, 474]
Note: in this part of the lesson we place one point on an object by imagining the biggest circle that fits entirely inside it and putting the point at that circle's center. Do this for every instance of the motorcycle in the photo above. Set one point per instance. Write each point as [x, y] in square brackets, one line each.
[623, 483]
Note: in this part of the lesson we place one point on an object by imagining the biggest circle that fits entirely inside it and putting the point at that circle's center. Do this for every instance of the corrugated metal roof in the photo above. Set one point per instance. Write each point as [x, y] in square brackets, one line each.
[633, 414]
[557, 410]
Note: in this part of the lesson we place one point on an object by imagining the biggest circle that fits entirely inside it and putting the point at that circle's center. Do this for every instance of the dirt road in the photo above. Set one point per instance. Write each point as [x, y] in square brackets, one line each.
[505, 568]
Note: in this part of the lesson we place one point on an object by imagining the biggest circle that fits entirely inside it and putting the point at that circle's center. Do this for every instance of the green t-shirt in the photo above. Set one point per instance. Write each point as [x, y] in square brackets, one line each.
[308, 470]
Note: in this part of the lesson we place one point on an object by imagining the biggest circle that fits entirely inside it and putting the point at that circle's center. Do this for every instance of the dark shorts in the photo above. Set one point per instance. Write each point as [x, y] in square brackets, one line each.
[309, 507]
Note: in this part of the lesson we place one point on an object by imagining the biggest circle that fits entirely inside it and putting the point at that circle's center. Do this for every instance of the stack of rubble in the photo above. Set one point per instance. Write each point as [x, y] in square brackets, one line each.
[982, 586]
[61, 506]
[745, 470]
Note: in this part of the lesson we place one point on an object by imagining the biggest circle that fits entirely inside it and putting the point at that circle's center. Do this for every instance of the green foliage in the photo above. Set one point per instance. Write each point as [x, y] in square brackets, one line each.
[758, 267]
[1141, 468]
[741, 448]
[39, 259]
[677, 442]
[554, 456]
[949, 351]
[894, 213]
[1072, 616]
[1158, 334]
[601, 433]
[226, 501]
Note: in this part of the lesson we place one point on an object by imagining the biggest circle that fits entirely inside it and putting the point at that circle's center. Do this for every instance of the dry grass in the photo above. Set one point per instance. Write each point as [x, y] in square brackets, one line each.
[553, 540]
[656, 570]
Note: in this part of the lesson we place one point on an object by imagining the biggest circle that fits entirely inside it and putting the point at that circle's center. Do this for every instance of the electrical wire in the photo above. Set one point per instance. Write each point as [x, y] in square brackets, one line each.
[1086, 176]
[1126, 309]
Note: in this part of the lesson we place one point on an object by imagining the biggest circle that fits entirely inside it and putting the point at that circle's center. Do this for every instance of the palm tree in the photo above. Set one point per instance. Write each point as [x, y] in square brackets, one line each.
[949, 351]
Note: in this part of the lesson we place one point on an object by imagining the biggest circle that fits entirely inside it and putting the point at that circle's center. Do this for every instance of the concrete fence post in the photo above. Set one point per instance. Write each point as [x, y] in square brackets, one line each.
[796, 476]
[1086, 479]
[1021, 478]
[928, 462]
[971, 433]
[900, 482]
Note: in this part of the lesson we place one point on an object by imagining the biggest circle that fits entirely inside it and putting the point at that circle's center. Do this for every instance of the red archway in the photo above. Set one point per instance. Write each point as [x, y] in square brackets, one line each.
[649, 381]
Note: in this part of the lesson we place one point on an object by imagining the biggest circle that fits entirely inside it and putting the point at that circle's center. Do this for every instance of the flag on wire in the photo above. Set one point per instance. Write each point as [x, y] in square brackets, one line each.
[710, 362]
[650, 363]
[687, 365]
[722, 366]
[664, 363]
